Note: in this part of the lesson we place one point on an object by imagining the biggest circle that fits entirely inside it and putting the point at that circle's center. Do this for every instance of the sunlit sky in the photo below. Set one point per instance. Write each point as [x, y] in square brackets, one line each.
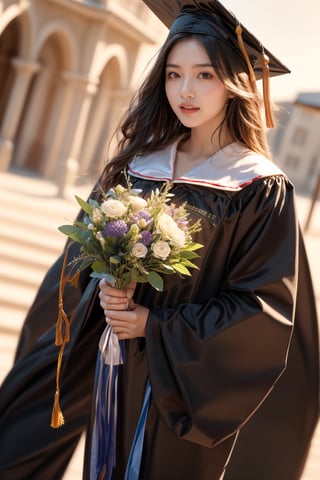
[290, 29]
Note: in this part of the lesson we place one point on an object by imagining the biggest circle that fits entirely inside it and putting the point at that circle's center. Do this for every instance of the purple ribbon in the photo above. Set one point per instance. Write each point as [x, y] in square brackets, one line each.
[103, 449]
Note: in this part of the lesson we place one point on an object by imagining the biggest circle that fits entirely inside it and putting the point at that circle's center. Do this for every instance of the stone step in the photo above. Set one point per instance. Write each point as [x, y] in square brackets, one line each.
[29, 240]
[21, 274]
[28, 257]
[15, 297]
[26, 236]
[47, 208]
[8, 343]
[48, 213]
[11, 321]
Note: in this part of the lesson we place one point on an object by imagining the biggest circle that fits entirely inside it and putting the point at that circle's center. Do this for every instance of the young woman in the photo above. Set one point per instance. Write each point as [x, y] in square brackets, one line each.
[230, 352]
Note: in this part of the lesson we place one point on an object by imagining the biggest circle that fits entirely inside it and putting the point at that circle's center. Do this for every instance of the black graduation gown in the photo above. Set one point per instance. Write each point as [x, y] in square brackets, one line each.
[216, 353]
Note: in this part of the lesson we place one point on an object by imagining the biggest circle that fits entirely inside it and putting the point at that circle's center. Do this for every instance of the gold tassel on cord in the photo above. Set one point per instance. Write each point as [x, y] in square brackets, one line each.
[246, 57]
[62, 338]
[57, 419]
[266, 92]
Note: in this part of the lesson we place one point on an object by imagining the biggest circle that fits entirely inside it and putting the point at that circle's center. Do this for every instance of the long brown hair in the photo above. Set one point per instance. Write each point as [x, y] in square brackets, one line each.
[150, 124]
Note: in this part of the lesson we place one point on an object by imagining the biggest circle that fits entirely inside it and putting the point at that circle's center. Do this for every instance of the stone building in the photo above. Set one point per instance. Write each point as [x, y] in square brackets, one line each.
[298, 153]
[67, 70]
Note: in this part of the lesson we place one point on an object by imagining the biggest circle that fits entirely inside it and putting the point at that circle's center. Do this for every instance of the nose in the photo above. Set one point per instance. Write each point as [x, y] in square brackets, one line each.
[186, 89]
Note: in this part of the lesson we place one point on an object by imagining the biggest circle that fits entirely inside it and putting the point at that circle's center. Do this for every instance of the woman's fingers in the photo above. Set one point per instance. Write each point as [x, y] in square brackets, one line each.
[114, 298]
[127, 319]
[128, 324]
[113, 303]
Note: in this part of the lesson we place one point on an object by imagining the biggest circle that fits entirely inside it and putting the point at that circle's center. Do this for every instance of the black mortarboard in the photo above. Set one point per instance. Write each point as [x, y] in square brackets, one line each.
[212, 18]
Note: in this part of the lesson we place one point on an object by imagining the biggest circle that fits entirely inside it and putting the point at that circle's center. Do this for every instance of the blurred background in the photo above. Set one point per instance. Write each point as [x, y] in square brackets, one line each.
[68, 69]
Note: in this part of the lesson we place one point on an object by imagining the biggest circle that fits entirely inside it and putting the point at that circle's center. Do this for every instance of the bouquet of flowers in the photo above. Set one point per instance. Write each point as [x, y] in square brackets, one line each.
[125, 238]
[128, 238]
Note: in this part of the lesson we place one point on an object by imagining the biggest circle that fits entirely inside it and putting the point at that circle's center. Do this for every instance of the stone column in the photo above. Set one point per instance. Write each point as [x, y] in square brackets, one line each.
[24, 71]
[101, 129]
[120, 102]
[90, 90]
[74, 106]
[64, 107]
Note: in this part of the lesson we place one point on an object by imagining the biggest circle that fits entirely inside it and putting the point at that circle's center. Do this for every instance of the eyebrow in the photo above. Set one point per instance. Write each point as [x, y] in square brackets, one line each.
[198, 65]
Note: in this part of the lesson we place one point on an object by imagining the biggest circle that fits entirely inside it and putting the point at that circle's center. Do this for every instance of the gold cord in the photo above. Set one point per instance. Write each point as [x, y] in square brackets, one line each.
[62, 338]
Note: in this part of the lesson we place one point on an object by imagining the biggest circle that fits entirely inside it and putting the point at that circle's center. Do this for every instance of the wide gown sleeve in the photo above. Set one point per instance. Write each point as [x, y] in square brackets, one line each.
[212, 364]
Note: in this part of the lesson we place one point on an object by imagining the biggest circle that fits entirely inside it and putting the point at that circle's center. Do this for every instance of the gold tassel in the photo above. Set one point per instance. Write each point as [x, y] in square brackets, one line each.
[57, 418]
[266, 92]
[246, 56]
[62, 338]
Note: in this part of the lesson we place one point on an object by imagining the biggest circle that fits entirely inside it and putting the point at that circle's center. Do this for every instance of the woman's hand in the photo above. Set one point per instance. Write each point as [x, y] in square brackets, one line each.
[127, 319]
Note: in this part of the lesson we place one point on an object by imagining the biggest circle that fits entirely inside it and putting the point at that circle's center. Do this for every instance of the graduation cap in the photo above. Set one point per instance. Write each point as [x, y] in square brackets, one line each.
[212, 18]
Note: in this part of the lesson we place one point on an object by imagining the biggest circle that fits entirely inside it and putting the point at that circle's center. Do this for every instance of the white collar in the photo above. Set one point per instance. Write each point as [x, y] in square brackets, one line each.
[231, 168]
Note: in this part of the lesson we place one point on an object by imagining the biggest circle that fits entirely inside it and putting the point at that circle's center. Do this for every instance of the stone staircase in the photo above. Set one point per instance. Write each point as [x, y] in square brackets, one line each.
[30, 213]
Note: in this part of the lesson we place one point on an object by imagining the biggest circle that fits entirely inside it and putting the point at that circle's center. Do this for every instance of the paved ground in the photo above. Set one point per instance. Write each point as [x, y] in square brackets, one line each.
[312, 237]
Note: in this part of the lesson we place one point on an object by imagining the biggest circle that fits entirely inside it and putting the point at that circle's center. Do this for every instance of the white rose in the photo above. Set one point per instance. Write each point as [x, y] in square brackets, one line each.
[113, 208]
[137, 203]
[160, 249]
[139, 250]
[170, 230]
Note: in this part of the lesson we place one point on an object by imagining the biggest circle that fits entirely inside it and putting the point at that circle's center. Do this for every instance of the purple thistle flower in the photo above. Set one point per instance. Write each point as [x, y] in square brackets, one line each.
[141, 215]
[146, 237]
[115, 228]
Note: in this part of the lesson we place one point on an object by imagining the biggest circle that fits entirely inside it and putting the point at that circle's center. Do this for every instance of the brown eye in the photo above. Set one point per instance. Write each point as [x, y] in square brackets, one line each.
[205, 75]
[172, 75]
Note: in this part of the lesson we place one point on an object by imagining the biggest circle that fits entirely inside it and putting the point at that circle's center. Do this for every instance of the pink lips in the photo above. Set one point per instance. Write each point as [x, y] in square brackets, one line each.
[186, 108]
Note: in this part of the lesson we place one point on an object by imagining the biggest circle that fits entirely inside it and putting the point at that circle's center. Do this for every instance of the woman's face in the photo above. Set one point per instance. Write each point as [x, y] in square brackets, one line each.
[195, 93]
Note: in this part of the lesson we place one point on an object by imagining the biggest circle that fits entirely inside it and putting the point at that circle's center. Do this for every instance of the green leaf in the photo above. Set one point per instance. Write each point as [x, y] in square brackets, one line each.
[72, 231]
[186, 263]
[193, 246]
[93, 203]
[140, 278]
[81, 225]
[115, 259]
[84, 205]
[178, 267]
[86, 235]
[155, 281]
[188, 254]
[197, 246]
[86, 262]
[167, 269]
[99, 267]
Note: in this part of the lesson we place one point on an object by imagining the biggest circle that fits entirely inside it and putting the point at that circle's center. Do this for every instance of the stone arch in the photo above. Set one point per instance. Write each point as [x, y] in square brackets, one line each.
[117, 53]
[16, 31]
[55, 49]
[27, 30]
[67, 38]
[112, 70]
